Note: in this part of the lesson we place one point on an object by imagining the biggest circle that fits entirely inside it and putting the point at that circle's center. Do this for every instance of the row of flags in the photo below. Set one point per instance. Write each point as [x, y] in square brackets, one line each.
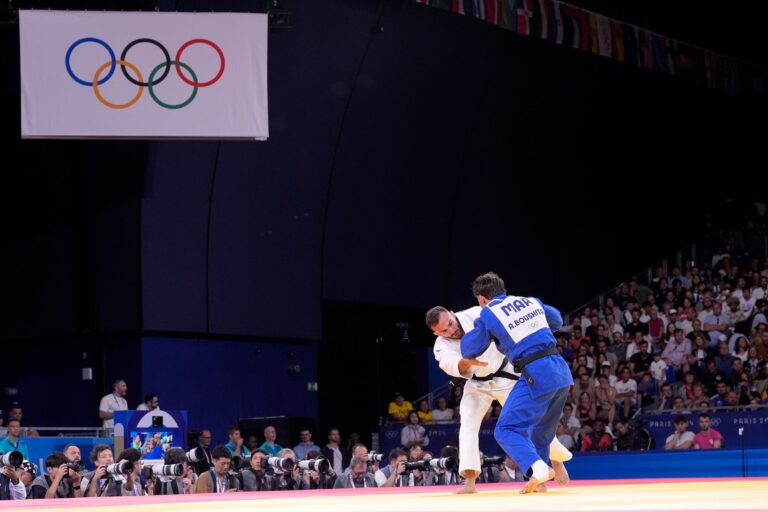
[567, 25]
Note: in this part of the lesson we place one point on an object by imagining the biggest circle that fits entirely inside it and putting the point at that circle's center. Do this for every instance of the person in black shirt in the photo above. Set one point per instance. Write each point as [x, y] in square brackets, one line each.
[640, 362]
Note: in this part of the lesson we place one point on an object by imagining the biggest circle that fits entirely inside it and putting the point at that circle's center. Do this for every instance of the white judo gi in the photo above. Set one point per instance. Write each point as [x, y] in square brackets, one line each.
[478, 395]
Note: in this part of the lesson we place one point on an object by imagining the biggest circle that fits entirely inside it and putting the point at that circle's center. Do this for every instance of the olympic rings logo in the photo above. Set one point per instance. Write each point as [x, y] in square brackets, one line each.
[151, 82]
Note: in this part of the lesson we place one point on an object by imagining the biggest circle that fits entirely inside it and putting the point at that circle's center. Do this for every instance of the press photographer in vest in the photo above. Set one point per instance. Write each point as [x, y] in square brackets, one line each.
[255, 477]
[62, 480]
[218, 479]
[109, 479]
[390, 476]
[11, 486]
[172, 483]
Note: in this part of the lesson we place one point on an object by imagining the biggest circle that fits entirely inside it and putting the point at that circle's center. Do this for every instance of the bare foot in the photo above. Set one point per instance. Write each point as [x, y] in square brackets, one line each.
[468, 488]
[561, 474]
[470, 476]
[533, 484]
[541, 488]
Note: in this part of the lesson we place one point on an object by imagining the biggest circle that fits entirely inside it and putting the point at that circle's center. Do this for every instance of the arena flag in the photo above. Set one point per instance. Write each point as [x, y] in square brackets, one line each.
[570, 26]
[604, 36]
[143, 75]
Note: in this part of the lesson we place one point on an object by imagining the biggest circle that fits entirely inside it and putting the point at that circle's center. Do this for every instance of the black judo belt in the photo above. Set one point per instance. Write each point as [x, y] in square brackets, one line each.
[520, 365]
[499, 373]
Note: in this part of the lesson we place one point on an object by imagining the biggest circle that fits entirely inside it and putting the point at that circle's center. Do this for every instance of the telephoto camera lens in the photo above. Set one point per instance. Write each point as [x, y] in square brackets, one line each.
[446, 463]
[195, 455]
[282, 463]
[120, 468]
[422, 465]
[493, 461]
[13, 459]
[319, 465]
[375, 456]
[168, 469]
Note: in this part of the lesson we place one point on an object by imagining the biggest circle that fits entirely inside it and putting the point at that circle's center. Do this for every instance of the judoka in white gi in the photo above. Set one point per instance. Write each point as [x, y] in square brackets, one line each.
[490, 377]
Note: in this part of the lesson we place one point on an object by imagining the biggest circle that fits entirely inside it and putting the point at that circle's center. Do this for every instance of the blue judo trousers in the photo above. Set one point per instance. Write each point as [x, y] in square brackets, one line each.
[521, 327]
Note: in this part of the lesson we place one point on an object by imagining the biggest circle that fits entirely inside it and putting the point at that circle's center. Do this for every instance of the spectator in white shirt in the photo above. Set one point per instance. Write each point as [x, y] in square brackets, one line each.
[680, 439]
[442, 413]
[115, 401]
[151, 403]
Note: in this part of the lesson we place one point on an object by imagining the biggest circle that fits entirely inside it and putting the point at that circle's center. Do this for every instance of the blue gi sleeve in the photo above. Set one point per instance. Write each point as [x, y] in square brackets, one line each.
[475, 341]
[554, 318]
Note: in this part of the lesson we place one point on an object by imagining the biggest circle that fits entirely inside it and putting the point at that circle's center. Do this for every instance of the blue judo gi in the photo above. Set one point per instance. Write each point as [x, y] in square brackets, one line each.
[521, 327]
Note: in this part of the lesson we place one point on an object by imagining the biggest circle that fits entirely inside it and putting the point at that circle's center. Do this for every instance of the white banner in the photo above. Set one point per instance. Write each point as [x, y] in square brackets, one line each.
[143, 75]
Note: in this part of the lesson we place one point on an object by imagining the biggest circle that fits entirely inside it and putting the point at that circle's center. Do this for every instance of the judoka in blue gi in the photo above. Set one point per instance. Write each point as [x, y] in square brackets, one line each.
[522, 329]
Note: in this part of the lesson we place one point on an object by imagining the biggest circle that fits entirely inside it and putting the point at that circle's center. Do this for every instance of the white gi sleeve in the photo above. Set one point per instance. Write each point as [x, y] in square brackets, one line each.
[448, 355]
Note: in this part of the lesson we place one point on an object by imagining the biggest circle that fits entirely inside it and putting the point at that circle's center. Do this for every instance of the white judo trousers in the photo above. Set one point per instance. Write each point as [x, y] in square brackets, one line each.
[475, 402]
[478, 395]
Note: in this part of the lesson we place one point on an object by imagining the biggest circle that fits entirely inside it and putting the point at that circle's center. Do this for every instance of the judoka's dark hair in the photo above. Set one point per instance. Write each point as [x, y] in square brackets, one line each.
[488, 285]
[433, 315]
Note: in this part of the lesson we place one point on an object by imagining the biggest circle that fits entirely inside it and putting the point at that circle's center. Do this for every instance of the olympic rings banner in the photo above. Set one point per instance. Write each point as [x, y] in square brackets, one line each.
[143, 75]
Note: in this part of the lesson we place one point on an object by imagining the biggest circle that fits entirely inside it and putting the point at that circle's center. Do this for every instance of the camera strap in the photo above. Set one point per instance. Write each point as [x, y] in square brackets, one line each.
[103, 487]
[352, 481]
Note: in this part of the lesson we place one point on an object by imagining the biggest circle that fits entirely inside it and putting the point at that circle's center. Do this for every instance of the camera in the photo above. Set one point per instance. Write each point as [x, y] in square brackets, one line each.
[13, 459]
[446, 463]
[77, 466]
[374, 456]
[163, 470]
[195, 455]
[278, 463]
[237, 462]
[119, 468]
[492, 461]
[419, 464]
[319, 465]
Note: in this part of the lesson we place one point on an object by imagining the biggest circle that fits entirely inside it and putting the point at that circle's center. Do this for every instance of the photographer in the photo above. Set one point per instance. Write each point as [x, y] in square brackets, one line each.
[255, 477]
[489, 469]
[62, 480]
[100, 482]
[419, 477]
[218, 479]
[357, 477]
[139, 487]
[362, 450]
[287, 481]
[28, 475]
[323, 479]
[171, 484]
[444, 477]
[11, 487]
[391, 476]
[512, 472]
